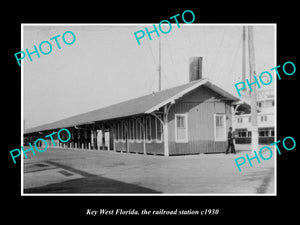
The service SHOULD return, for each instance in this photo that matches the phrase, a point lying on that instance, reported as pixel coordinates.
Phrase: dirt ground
(67, 171)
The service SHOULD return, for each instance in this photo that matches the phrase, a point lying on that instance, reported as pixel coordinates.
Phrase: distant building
(265, 119)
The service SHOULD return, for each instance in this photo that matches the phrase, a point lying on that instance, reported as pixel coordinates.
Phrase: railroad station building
(191, 118)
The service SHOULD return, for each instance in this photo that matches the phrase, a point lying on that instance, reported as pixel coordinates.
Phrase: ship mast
(254, 127)
(159, 65)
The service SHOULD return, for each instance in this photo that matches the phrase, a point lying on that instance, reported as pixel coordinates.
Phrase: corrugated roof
(141, 105)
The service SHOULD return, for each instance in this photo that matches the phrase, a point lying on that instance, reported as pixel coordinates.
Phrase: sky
(105, 65)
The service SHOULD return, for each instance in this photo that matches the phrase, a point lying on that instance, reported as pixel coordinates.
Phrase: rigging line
(205, 32)
(155, 73)
(162, 71)
(219, 57)
(171, 57)
(151, 88)
(224, 67)
(191, 46)
(149, 47)
(217, 54)
(235, 55)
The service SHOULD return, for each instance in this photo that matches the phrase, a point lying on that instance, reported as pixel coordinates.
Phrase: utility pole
(244, 57)
(254, 128)
(159, 65)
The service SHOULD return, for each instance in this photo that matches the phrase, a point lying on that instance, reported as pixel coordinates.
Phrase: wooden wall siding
(120, 146)
(198, 147)
(200, 122)
(151, 148)
(155, 148)
(136, 147)
(201, 94)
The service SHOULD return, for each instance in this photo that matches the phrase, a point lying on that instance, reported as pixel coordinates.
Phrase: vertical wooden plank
(114, 136)
(166, 132)
(143, 127)
(127, 135)
(103, 137)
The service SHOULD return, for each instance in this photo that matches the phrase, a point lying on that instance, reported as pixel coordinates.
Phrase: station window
(181, 129)
(220, 128)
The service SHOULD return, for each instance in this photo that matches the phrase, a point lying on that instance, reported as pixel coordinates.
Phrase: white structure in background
(266, 119)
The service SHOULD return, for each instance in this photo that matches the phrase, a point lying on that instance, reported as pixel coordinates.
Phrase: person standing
(230, 145)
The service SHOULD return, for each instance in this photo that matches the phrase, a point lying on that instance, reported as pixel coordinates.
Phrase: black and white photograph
(130, 109)
(164, 114)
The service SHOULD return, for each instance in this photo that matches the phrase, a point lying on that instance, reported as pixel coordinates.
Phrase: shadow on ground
(90, 183)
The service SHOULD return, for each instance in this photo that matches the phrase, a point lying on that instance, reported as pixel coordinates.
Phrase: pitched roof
(141, 105)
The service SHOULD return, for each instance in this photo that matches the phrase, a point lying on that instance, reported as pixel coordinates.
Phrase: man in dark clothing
(230, 142)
